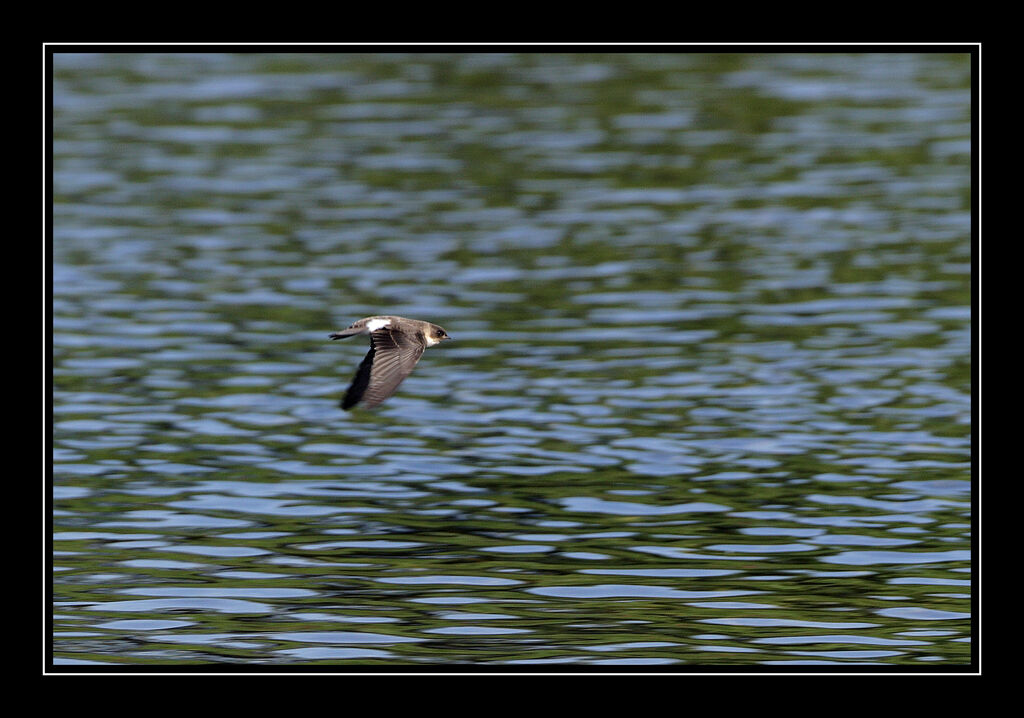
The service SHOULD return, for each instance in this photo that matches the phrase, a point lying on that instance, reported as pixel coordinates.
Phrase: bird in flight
(396, 344)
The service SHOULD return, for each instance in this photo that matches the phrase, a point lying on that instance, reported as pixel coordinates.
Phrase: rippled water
(708, 400)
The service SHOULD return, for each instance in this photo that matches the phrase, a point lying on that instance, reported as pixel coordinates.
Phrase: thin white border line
(620, 43)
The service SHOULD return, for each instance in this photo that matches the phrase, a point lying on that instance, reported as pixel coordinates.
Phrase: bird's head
(435, 335)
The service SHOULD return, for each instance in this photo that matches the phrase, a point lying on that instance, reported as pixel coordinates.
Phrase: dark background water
(708, 400)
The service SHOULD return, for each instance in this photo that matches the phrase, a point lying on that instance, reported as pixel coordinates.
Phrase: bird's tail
(350, 332)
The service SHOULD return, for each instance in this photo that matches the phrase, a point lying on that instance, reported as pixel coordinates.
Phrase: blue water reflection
(708, 402)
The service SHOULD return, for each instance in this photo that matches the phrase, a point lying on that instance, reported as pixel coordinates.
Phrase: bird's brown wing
(391, 358)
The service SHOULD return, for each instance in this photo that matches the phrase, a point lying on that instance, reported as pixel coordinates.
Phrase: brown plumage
(396, 345)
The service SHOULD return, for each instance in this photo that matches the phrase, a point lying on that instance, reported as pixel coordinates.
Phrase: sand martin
(396, 344)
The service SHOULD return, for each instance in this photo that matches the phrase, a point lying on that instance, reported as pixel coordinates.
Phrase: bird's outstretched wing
(391, 358)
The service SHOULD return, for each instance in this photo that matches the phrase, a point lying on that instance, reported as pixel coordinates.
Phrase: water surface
(708, 401)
